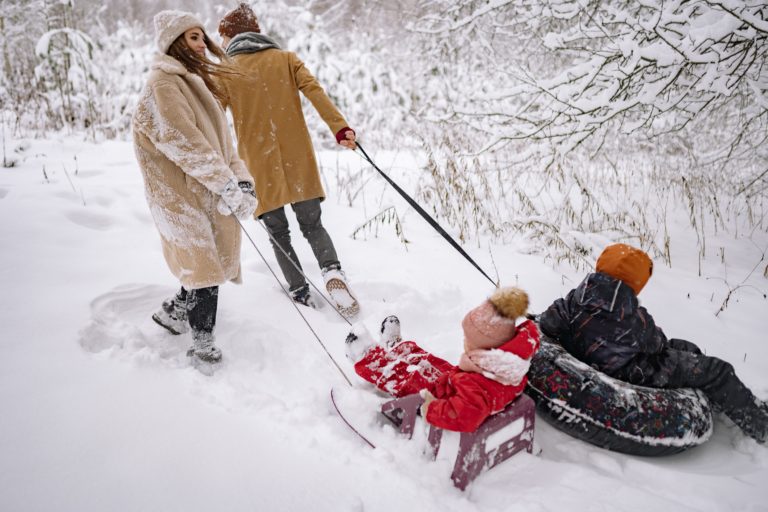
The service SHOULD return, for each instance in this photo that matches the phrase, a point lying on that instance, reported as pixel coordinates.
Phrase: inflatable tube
(612, 414)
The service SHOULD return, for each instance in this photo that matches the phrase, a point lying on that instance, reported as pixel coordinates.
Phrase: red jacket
(463, 399)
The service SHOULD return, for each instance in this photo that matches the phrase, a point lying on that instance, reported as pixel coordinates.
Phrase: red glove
(342, 134)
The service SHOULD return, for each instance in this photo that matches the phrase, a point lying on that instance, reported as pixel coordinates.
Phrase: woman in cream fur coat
(195, 183)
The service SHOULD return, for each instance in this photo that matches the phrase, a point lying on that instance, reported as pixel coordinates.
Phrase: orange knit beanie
(626, 263)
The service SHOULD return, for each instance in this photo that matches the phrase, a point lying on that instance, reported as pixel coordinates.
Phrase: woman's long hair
(211, 72)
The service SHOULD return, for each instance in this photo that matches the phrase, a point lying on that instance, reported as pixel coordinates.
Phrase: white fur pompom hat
(171, 24)
(493, 322)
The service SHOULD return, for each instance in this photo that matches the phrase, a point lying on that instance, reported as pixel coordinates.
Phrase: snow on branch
(610, 68)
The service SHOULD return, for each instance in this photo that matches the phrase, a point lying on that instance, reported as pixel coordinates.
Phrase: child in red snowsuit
(491, 372)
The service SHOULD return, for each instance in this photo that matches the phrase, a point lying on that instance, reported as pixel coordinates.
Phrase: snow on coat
(403, 370)
(272, 134)
(186, 155)
(463, 400)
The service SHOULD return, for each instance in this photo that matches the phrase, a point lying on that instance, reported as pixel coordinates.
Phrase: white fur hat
(171, 24)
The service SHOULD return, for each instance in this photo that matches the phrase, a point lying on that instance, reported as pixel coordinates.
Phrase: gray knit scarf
(250, 42)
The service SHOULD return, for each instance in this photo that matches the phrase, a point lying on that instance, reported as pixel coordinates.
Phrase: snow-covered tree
(573, 104)
(68, 76)
(125, 53)
(19, 32)
(594, 71)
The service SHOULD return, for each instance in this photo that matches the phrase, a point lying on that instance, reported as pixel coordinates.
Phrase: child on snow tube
(601, 323)
(491, 372)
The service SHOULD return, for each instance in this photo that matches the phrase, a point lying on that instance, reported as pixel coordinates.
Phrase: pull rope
(300, 270)
(432, 222)
(287, 293)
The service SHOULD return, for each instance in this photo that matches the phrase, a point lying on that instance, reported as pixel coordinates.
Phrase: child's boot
(390, 331)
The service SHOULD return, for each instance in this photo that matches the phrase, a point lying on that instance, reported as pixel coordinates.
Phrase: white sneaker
(341, 295)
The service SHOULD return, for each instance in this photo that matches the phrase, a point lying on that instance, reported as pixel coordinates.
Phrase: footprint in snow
(121, 320)
(89, 173)
(90, 220)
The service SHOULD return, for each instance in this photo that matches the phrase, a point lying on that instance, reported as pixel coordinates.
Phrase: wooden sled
(473, 455)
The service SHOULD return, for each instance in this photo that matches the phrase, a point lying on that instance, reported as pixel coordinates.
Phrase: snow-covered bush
(580, 105)
(125, 54)
(568, 71)
(68, 77)
(19, 32)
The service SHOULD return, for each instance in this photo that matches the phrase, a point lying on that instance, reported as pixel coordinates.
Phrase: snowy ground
(100, 410)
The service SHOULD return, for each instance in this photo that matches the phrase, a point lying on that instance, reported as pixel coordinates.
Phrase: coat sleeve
(463, 407)
(555, 322)
(525, 342)
(238, 165)
(169, 122)
(311, 89)
(651, 339)
(239, 169)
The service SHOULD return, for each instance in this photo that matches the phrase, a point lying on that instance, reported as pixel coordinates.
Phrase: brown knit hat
(629, 264)
(242, 19)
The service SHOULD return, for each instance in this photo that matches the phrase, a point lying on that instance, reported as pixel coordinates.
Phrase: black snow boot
(753, 420)
(717, 379)
(202, 304)
(173, 314)
(304, 297)
(729, 394)
(204, 347)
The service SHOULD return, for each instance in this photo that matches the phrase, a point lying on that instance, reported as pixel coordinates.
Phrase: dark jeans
(308, 215)
(682, 365)
(202, 304)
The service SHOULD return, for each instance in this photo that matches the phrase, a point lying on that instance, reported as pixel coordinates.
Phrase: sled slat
(473, 457)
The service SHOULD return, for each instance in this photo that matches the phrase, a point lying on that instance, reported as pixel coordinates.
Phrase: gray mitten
(249, 203)
(230, 199)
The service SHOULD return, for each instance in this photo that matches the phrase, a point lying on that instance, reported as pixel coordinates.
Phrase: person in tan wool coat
(274, 141)
(195, 183)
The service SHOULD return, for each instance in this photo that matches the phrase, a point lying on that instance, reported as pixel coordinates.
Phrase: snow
(101, 410)
(504, 367)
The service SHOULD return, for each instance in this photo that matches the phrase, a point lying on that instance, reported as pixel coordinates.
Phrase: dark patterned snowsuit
(601, 323)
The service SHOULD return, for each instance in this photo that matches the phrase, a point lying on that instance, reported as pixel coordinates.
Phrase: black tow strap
(427, 217)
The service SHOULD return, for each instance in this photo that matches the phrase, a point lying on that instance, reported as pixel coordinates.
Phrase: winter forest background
(569, 122)
(535, 131)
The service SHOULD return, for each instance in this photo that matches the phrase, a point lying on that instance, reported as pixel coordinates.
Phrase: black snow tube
(609, 413)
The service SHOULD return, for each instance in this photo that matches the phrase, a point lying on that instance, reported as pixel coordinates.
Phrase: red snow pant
(463, 399)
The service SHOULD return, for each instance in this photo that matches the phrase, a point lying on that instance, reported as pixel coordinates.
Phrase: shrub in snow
(68, 77)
